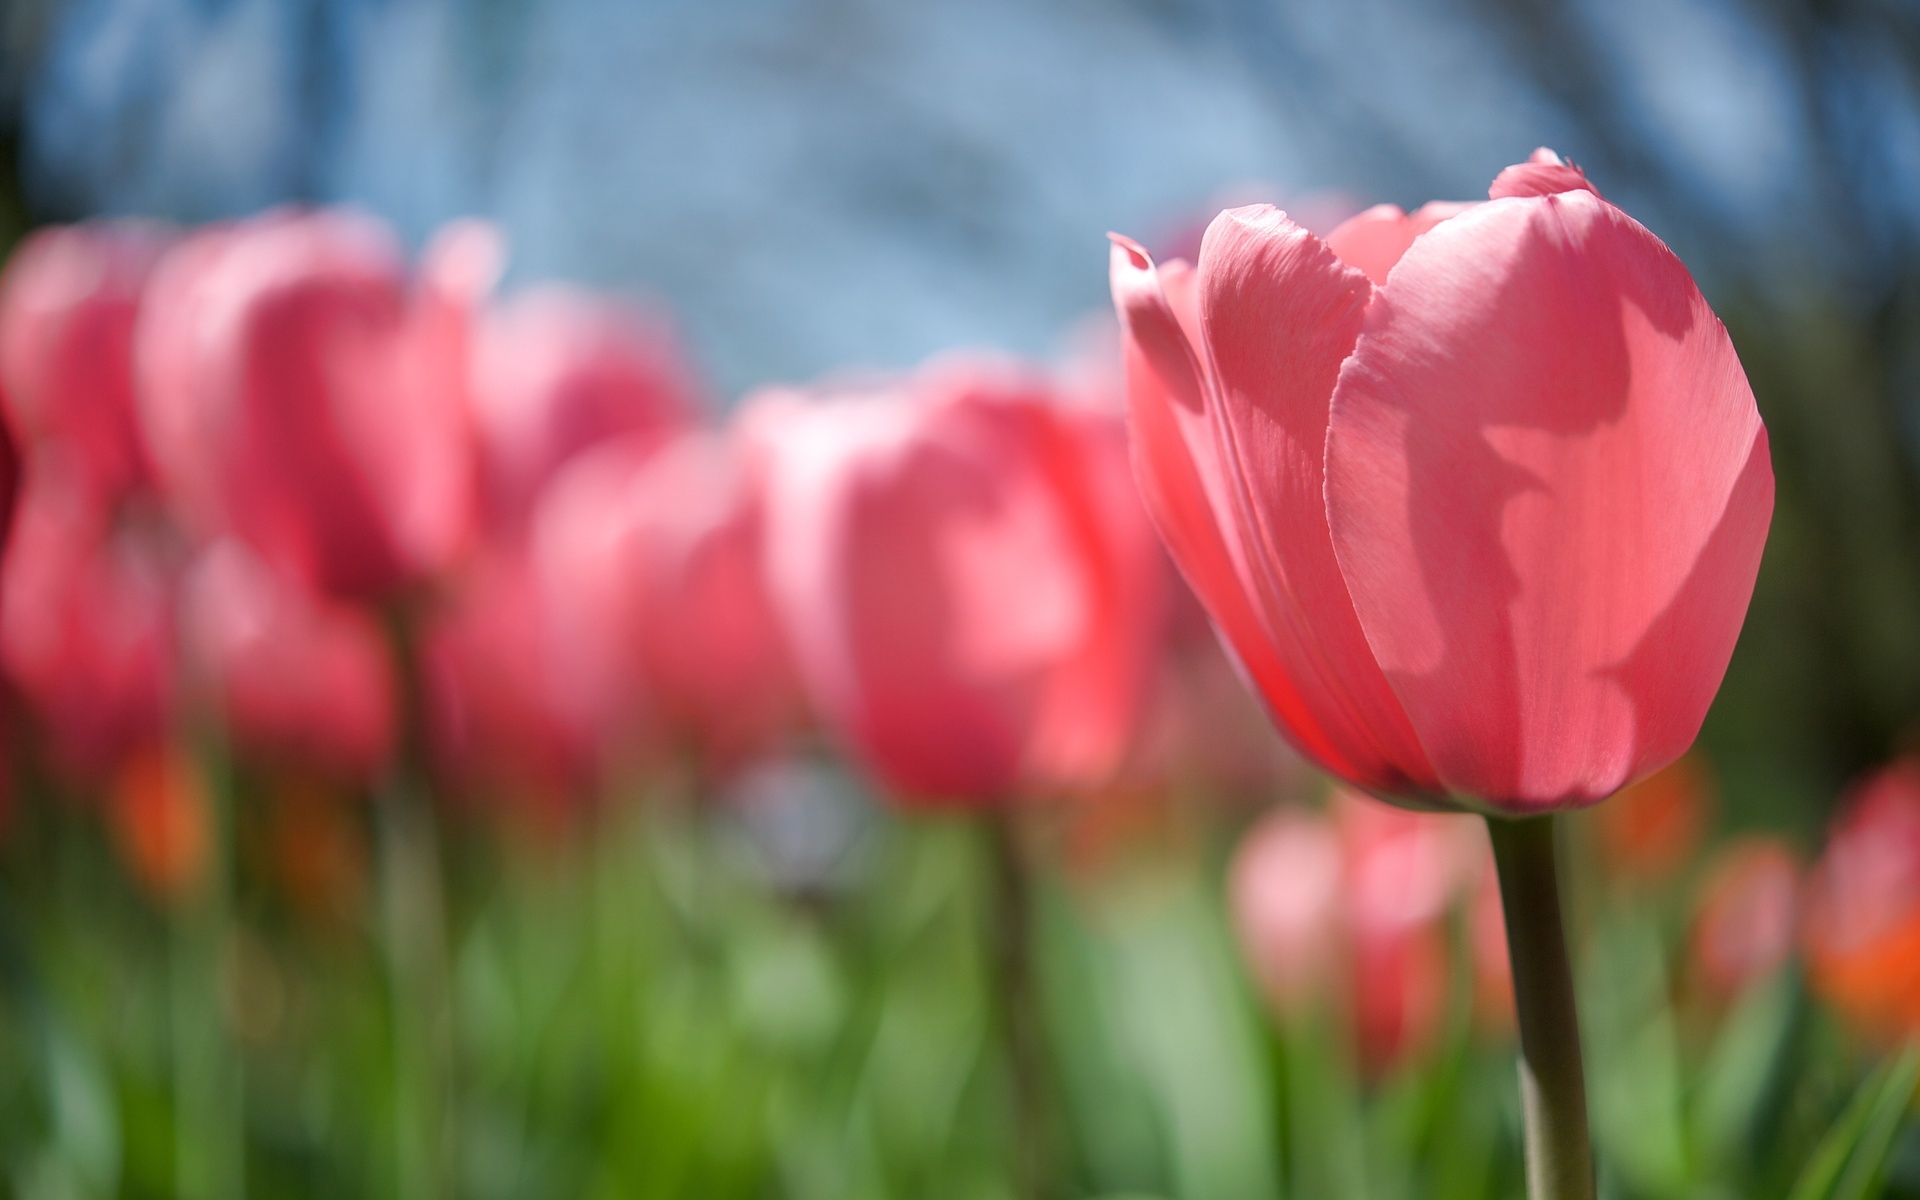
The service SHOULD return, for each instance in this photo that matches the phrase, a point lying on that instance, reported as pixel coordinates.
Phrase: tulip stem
(1021, 1020)
(1553, 1091)
(413, 933)
(210, 1149)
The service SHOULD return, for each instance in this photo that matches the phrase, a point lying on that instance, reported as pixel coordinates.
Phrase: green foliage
(637, 1010)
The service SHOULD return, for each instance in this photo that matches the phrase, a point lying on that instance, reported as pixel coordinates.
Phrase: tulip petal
(1280, 314)
(1182, 482)
(1544, 174)
(1374, 240)
(1549, 488)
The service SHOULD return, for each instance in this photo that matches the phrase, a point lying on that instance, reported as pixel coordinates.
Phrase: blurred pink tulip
(557, 370)
(86, 622)
(1862, 917)
(650, 560)
(1353, 907)
(969, 586)
(1405, 873)
(297, 676)
(498, 713)
(297, 392)
(1285, 887)
(1748, 914)
(1480, 522)
(68, 301)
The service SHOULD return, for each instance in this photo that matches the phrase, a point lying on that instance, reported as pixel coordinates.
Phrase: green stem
(1020, 1016)
(210, 1151)
(413, 933)
(1553, 1090)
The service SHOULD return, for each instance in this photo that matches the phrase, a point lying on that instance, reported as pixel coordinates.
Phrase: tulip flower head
(1354, 906)
(1862, 923)
(1748, 914)
(86, 622)
(1652, 828)
(161, 816)
(297, 676)
(67, 307)
(651, 562)
(288, 397)
(499, 720)
(1476, 495)
(970, 589)
(557, 370)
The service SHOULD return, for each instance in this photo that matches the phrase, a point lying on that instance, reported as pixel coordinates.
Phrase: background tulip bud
(651, 560)
(970, 589)
(67, 307)
(1862, 925)
(557, 370)
(285, 399)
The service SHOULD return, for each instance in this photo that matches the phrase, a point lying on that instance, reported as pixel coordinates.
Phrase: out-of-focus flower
(296, 676)
(86, 622)
(294, 391)
(1353, 908)
(651, 564)
(1482, 529)
(1405, 872)
(557, 370)
(1286, 891)
(499, 717)
(1493, 1000)
(1862, 922)
(1748, 914)
(1652, 828)
(317, 848)
(68, 302)
(969, 586)
(161, 815)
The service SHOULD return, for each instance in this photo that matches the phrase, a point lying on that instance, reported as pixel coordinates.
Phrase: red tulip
(1482, 534)
(1862, 928)
(294, 393)
(557, 370)
(67, 308)
(161, 817)
(968, 584)
(86, 622)
(650, 560)
(1653, 826)
(296, 676)
(498, 712)
(1748, 914)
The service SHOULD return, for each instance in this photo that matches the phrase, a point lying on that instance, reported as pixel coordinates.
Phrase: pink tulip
(67, 307)
(498, 714)
(296, 676)
(1356, 907)
(1862, 922)
(651, 562)
(557, 370)
(1748, 914)
(1480, 517)
(295, 391)
(1285, 888)
(966, 578)
(86, 622)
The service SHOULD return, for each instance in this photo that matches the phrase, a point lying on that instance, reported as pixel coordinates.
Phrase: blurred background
(812, 185)
(788, 995)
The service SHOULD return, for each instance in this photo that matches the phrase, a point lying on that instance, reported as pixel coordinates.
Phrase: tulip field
(1253, 755)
